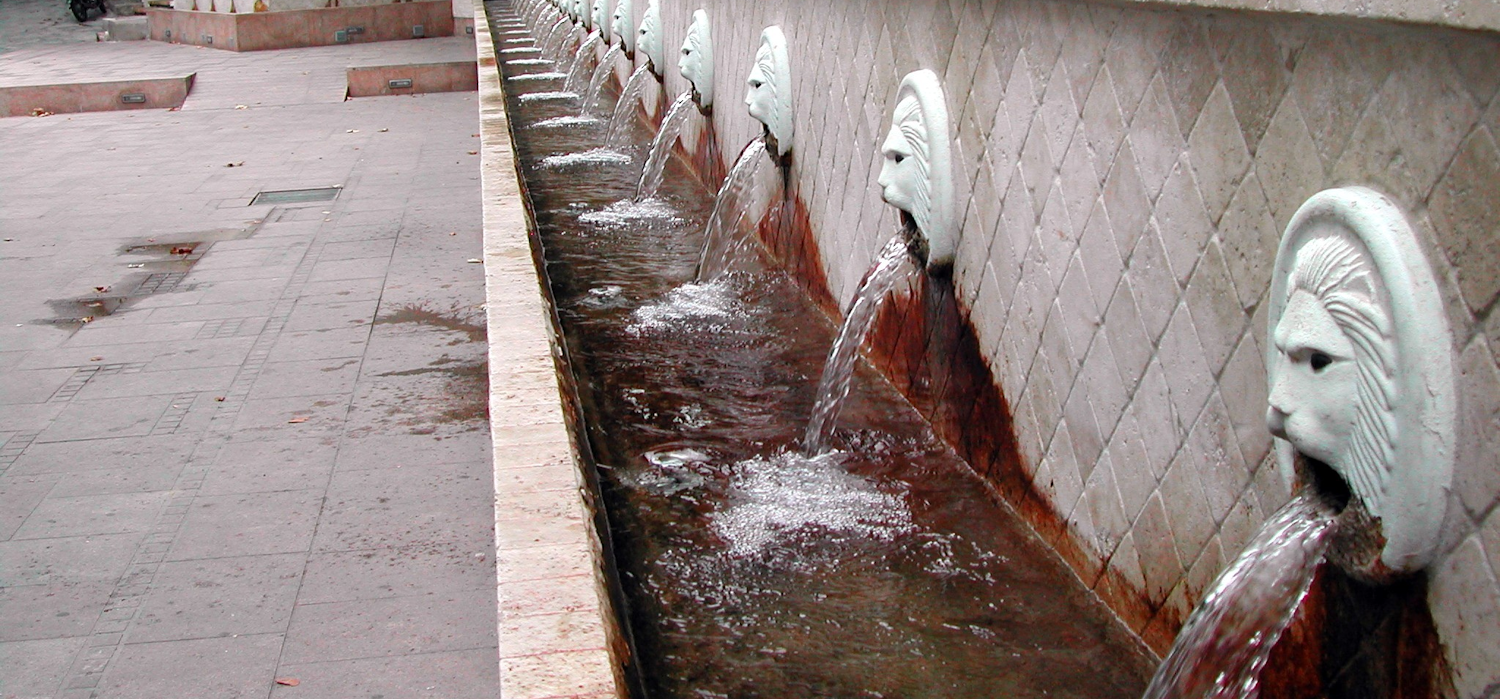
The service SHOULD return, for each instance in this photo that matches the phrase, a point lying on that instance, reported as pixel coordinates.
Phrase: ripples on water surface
(881, 568)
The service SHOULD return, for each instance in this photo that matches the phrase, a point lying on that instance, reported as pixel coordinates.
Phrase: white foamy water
(538, 76)
(528, 62)
(628, 212)
(521, 49)
(555, 122)
(780, 497)
(597, 156)
(540, 96)
(707, 306)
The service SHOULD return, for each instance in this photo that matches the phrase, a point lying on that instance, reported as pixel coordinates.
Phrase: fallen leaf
(453, 233)
(86, 319)
(352, 131)
(241, 106)
(219, 399)
(174, 109)
(40, 112)
(96, 359)
(473, 152)
(101, 289)
(384, 130)
(296, 420)
(288, 681)
(475, 261)
(181, 250)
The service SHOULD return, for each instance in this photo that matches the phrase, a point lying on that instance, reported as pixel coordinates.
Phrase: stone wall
(1126, 173)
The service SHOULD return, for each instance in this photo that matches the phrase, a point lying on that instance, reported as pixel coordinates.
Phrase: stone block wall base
(106, 96)
(376, 81)
(262, 31)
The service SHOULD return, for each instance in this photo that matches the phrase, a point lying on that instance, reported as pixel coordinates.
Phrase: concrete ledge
(375, 81)
(557, 627)
(262, 31)
(126, 28)
(103, 96)
(1460, 14)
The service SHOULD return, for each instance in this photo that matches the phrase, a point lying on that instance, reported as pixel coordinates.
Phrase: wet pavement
(242, 442)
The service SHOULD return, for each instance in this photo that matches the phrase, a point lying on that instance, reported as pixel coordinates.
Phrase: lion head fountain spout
(622, 25)
(697, 62)
(649, 38)
(1360, 377)
(917, 176)
(599, 19)
(769, 96)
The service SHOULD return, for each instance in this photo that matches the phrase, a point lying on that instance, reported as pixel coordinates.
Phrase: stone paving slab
(271, 458)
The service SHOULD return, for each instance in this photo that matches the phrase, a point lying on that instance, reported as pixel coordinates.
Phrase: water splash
(537, 76)
(630, 212)
(547, 43)
(597, 156)
(581, 62)
(1222, 648)
(700, 307)
(529, 62)
(892, 265)
(563, 121)
(731, 207)
(624, 114)
(541, 96)
(601, 73)
(520, 49)
(788, 494)
(661, 146)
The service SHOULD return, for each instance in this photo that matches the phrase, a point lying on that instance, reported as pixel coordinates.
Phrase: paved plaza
(244, 449)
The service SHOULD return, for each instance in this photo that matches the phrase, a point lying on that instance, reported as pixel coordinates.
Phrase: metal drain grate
(160, 282)
(296, 196)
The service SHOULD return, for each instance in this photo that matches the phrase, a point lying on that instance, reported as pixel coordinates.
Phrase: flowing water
(1222, 648)
(602, 72)
(892, 265)
(582, 63)
(879, 568)
(743, 192)
(661, 146)
(549, 45)
(624, 117)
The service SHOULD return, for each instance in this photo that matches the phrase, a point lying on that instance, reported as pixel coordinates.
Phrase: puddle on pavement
(153, 265)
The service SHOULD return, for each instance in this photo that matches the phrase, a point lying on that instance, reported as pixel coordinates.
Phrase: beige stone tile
(1249, 237)
(1218, 153)
(1182, 221)
(1465, 602)
(1476, 478)
(562, 674)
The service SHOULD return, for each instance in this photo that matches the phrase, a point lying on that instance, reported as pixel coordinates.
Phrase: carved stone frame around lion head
(622, 25)
(650, 40)
(696, 63)
(769, 91)
(1349, 260)
(917, 173)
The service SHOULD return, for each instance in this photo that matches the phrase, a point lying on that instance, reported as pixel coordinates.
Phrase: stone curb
(556, 628)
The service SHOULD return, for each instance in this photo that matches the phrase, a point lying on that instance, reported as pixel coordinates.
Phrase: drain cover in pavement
(296, 196)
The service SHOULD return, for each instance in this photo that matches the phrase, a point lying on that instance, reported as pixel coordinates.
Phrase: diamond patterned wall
(1126, 173)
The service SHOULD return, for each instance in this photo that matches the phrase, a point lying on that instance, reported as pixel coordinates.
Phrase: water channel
(879, 567)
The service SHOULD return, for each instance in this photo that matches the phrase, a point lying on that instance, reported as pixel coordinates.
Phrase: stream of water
(602, 72)
(661, 146)
(623, 118)
(1220, 651)
(877, 568)
(893, 265)
(582, 63)
(743, 191)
